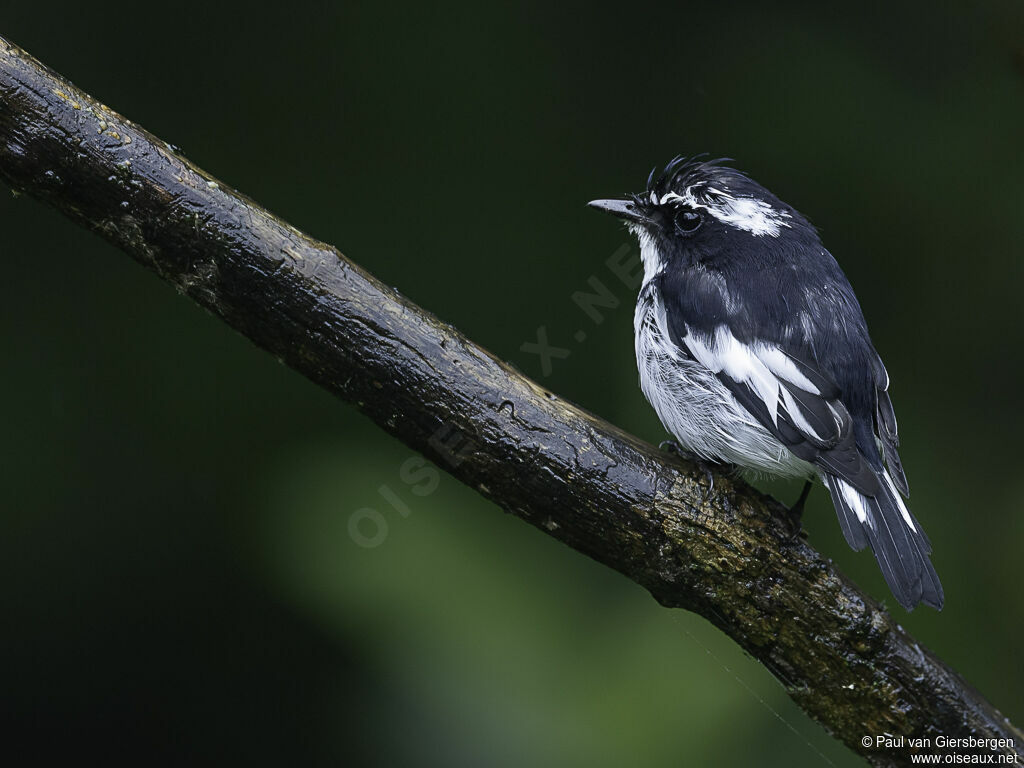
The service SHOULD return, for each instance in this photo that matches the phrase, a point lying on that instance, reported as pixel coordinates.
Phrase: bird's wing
(789, 395)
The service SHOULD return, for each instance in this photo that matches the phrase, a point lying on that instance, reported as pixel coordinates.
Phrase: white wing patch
(723, 352)
(797, 415)
(783, 366)
(748, 213)
(694, 404)
(762, 367)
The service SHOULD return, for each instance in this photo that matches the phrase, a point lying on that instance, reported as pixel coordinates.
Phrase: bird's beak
(623, 209)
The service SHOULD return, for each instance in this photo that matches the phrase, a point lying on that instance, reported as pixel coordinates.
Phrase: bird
(754, 352)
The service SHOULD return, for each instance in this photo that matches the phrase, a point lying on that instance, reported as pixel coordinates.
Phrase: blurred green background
(177, 579)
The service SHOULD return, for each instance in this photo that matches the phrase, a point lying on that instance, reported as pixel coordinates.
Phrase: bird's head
(701, 210)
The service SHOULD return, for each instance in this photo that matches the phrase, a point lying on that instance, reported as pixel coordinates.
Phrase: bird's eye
(688, 221)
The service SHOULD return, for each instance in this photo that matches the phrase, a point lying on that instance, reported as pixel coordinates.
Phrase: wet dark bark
(723, 553)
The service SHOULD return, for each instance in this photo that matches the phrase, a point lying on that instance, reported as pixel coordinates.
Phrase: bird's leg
(671, 446)
(796, 512)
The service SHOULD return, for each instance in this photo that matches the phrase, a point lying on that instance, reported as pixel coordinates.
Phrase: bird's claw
(671, 446)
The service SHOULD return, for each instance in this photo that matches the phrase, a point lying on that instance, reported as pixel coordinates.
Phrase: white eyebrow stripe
(688, 200)
(746, 213)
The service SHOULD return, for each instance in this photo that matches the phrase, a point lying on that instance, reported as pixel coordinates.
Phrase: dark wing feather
(885, 425)
(829, 443)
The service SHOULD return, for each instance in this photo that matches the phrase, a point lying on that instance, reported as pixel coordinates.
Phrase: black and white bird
(754, 351)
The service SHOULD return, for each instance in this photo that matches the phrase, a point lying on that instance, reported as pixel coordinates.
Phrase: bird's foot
(708, 468)
(796, 513)
(671, 446)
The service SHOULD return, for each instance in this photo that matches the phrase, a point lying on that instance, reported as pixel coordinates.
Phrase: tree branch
(722, 553)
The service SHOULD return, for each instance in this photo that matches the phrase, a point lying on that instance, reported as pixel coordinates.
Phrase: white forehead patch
(746, 213)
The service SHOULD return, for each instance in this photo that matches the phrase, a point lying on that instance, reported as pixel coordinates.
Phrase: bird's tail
(900, 545)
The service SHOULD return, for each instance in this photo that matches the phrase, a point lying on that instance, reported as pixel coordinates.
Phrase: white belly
(699, 411)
